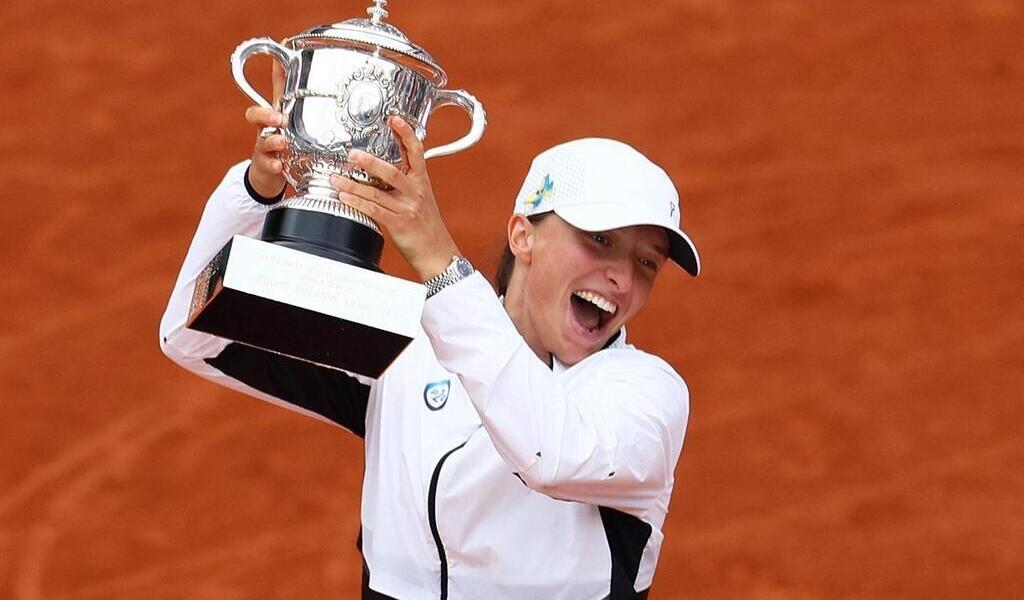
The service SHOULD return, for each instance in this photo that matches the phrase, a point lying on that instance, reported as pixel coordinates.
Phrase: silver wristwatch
(456, 271)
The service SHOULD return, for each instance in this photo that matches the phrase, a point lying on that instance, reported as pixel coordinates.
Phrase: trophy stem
(320, 188)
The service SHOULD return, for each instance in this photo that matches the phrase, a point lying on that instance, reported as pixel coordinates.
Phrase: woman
(519, 447)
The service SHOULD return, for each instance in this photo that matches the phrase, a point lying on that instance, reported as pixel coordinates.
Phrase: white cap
(598, 184)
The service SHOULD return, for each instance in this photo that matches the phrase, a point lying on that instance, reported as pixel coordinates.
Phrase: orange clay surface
(853, 173)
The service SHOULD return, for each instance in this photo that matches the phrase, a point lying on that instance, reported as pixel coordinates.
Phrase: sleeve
(612, 441)
(325, 394)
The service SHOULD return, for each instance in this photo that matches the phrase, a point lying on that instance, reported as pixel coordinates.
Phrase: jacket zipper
(432, 518)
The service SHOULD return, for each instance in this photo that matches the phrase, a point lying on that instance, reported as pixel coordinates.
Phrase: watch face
(463, 268)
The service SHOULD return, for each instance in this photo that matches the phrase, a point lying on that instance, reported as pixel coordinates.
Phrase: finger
(268, 163)
(375, 211)
(271, 144)
(383, 170)
(263, 117)
(412, 147)
(346, 186)
(405, 158)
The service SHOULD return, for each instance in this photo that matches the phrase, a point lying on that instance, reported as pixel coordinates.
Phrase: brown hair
(507, 262)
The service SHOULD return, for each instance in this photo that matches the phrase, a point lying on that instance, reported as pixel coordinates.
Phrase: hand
(409, 211)
(266, 174)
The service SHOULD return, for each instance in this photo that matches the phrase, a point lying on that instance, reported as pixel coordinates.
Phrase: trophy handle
(257, 46)
(471, 105)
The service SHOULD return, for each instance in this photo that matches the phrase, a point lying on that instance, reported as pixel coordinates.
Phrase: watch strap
(458, 269)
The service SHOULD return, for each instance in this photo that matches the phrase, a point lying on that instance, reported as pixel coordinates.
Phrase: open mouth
(591, 310)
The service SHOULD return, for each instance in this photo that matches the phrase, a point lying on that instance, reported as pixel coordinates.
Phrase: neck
(515, 306)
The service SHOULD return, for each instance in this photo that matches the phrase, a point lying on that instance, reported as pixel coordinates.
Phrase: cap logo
(541, 194)
(672, 209)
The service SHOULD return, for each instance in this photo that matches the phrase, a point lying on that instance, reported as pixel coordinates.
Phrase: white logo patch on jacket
(435, 394)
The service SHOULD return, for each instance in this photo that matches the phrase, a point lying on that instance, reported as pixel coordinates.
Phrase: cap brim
(681, 248)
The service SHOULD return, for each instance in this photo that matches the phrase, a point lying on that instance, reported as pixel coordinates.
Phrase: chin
(577, 343)
(572, 353)
(568, 360)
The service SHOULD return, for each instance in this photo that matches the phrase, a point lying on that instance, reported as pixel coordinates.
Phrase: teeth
(599, 301)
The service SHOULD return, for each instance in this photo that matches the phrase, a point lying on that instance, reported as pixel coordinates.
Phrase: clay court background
(853, 173)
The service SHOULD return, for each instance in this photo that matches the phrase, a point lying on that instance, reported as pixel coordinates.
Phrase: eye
(649, 264)
(601, 238)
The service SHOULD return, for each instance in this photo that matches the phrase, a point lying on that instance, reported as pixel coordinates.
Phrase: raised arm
(324, 394)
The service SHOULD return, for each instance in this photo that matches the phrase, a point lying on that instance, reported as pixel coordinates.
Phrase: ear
(521, 237)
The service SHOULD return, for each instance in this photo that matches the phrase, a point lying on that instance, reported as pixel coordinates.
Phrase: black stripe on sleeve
(256, 195)
(327, 392)
(627, 538)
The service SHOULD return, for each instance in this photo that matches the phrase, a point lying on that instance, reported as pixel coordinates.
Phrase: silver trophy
(311, 287)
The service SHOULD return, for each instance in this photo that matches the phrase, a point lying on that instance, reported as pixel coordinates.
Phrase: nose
(619, 273)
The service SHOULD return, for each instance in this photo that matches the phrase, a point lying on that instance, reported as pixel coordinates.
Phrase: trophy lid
(375, 35)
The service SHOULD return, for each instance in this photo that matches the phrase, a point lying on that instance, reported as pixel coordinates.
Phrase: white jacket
(488, 474)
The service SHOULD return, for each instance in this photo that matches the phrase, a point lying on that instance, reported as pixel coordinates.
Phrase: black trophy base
(324, 235)
(292, 303)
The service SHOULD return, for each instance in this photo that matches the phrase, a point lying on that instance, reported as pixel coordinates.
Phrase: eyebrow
(660, 248)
